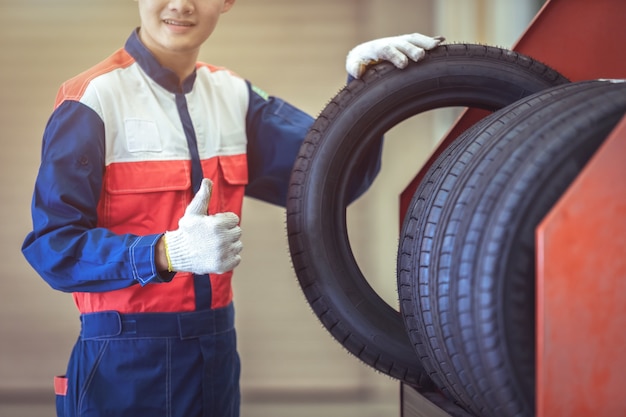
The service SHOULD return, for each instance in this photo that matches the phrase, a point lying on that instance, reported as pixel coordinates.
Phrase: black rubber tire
(355, 120)
(466, 260)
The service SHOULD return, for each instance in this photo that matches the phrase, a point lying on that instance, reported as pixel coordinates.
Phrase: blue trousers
(153, 364)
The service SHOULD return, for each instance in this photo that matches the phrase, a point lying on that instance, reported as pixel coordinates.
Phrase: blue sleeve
(65, 246)
(275, 131)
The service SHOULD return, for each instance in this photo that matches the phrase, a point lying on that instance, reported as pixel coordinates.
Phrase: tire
(353, 122)
(466, 260)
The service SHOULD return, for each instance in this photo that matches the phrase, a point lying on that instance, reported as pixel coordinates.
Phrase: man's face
(179, 26)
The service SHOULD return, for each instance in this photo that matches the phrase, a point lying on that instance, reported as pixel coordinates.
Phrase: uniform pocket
(140, 197)
(142, 136)
(128, 377)
(234, 178)
(60, 391)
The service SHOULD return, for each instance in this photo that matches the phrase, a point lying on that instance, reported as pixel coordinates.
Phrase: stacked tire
(466, 259)
(466, 255)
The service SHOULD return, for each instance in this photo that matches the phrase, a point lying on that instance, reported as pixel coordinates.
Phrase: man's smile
(177, 22)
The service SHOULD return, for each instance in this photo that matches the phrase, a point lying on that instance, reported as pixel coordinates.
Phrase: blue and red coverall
(115, 173)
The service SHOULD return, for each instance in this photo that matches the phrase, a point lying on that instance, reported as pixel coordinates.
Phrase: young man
(145, 163)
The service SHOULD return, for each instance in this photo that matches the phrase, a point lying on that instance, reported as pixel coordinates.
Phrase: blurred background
(294, 49)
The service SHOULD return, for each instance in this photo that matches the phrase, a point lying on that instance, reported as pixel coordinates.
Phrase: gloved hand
(204, 244)
(396, 49)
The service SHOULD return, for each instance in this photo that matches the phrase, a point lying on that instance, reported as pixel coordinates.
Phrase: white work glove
(204, 244)
(396, 49)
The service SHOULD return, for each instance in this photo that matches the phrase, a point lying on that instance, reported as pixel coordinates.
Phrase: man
(145, 163)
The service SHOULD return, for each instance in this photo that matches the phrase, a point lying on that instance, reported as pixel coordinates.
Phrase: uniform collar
(165, 77)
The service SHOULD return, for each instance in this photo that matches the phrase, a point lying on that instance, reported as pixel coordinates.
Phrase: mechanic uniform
(123, 154)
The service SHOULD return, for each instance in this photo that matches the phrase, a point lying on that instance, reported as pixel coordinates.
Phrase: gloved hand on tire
(397, 50)
(204, 244)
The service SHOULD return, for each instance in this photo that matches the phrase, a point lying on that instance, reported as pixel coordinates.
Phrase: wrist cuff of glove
(167, 255)
(176, 252)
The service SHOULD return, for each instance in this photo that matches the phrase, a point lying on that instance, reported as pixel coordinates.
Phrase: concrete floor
(408, 403)
(335, 403)
(249, 410)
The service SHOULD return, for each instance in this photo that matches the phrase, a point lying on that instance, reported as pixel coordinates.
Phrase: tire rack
(581, 341)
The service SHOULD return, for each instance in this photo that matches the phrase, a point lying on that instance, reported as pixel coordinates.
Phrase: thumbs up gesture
(204, 244)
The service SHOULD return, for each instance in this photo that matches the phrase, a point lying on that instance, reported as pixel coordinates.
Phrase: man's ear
(228, 4)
